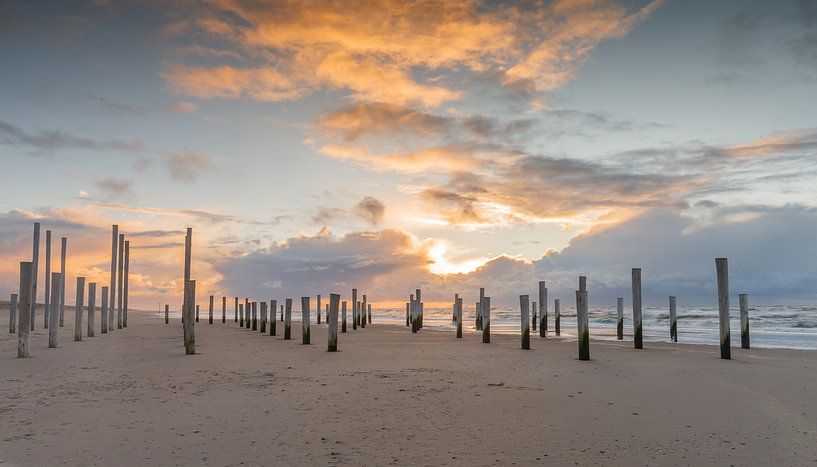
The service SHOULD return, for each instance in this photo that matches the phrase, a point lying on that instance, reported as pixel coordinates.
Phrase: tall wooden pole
(343, 318)
(273, 325)
(78, 309)
(288, 320)
(210, 310)
(523, 306)
(534, 318)
(673, 320)
(125, 285)
(486, 320)
(637, 328)
(743, 299)
(13, 313)
(620, 318)
(363, 313)
(197, 313)
(189, 318)
(187, 315)
(224, 310)
(332, 321)
(235, 310)
(254, 316)
(121, 281)
(480, 310)
(24, 311)
(247, 313)
(557, 317)
(319, 309)
(262, 328)
(582, 325)
(47, 303)
(112, 284)
(167, 314)
(241, 315)
(369, 310)
(722, 271)
(91, 308)
(34, 273)
(543, 309)
(458, 307)
(454, 308)
(54, 309)
(408, 313)
(63, 246)
(355, 318)
(305, 320)
(103, 314)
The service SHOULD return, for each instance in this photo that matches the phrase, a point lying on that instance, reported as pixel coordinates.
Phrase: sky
(318, 146)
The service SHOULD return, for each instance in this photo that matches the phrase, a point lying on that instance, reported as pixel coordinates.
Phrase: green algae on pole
(211, 310)
(343, 318)
(638, 342)
(673, 320)
(557, 317)
(288, 320)
(722, 271)
(189, 320)
(63, 246)
(543, 312)
(13, 313)
(47, 302)
(486, 320)
(620, 318)
(78, 309)
(273, 325)
(112, 284)
(305, 320)
(103, 312)
(332, 322)
(54, 308)
(523, 306)
(91, 308)
(24, 311)
(744, 320)
(581, 324)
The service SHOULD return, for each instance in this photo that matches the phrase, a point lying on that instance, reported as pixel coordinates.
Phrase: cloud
(187, 167)
(185, 107)
(780, 143)
(371, 210)
(46, 142)
(114, 188)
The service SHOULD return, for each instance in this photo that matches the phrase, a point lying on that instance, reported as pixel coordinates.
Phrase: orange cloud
(776, 144)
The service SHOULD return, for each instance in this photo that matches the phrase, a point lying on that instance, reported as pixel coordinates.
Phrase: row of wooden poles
(414, 314)
(247, 314)
(24, 302)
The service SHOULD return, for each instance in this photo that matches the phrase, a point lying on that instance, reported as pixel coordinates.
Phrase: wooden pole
(413, 309)
(543, 312)
(454, 308)
(210, 311)
(743, 299)
(319, 309)
(186, 301)
(332, 321)
(305, 320)
(189, 319)
(13, 313)
(582, 325)
(224, 310)
(480, 311)
(408, 313)
(125, 286)
(722, 271)
(247, 313)
(636, 285)
(486, 320)
(370, 313)
(288, 320)
(235, 310)
(355, 318)
(363, 313)
(533, 316)
(523, 305)
(78, 309)
(583, 283)
(47, 308)
(63, 246)
(121, 281)
(112, 283)
(459, 317)
(54, 309)
(197, 313)
(103, 316)
(254, 316)
(343, 318)
(263, 327)
(167, 314)
(24, 311)
(557, 317)
(673, 320)
(282, 313)
(34, 273)
(273, 325)
(241, 315)
(91, 308)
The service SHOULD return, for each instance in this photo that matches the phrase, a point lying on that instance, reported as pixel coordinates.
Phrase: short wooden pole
(121, 282)
(673, 320)
(326, 309)
(189, 319)
(543, 312)
(210, 316)
(319, 309)
(263, 327)
(288, 320)
(24, 311)
(103, 316)
(241, 315)
(91, 308)
(167, 314)
(273, 325)
(459, 317)
(637, 328)
(235, 310)
(557, 317)
(247, 313)
(454, 308)
(197, 313)
(13, 313)
(34, 274)
(54, 310)
(224, 310)
(78, 309)
(369, 310)
(523, 306)
(620, 318)
(486, 320)
(112, 283)
(743, 299)
(355, 318)
(63, 246)
(332, 321)
(47, 302)
(343, 318)
(533, 316)
(254, 316)
(125, 281)
(305, 320)
(282, 313)
(722, 271)
(582, 325)
(480, 311)
(363, 313)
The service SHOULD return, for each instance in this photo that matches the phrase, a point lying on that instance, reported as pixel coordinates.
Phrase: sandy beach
(392, 398)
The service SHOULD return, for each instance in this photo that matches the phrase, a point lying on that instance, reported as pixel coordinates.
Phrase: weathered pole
(408, 312)
(288, 320)
(247, 313)
(673, 320)
(454, 308)
(479, 309)
(557, 317)
(743, 299)
(273, 325)
(210, 310)
(112, 284)
(103, 313)
(235, 310)
(197, 313)
(581, 323)
(722, 271)
(636, 285)
(332, 321)
(167, 313)
(24, 310)
(54, 309)
(620, 318)
(355, 318)
(543, 312)
(305, 320)
(370, 313)
(78, 309)
(415, 315)
(343, 318)
(125, 286)
(363, 313)
(13, 313)
(188, 252)
(533, 316)
(583, 283)
(319, 309)
(224, 310)
(189, 319)
(241, 315)
(458, 307)
(282, 313)
(523, 306)
(47, 302)
(254, 316)
(486, 320)
(121, 281)
(35, 261)
(63, 246)
(263, 327)
(91, 308)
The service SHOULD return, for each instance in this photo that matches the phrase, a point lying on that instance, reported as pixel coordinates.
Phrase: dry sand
(392, 398)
